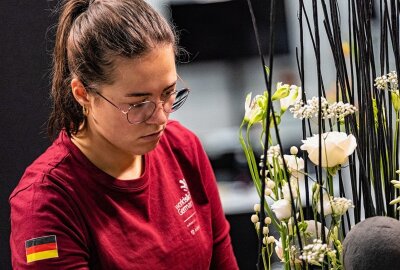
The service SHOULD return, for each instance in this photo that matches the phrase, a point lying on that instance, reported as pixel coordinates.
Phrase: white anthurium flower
(336, 148)
(282, 209)
(255, 108)
(293, 97)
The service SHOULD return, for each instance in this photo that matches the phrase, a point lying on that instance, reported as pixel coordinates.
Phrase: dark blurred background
(24, 103)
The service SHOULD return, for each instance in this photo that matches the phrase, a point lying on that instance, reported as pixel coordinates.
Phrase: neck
(106, 157)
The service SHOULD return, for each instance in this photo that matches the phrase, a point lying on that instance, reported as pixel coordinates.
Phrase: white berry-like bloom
(257, 207)
(270, 239)
(270, 184)
(268, 220)
(294, 150)
(336, 148)
(254, 218)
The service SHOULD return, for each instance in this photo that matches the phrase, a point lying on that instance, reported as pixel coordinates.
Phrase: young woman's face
(148, 78)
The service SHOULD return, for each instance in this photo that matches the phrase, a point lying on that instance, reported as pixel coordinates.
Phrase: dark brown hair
(90, 35)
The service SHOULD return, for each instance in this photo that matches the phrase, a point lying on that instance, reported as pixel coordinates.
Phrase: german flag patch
(41, 248)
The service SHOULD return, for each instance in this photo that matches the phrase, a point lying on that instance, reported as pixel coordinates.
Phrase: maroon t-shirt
(68, 214)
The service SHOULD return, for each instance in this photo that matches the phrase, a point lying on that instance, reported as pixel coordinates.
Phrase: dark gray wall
(24, 104)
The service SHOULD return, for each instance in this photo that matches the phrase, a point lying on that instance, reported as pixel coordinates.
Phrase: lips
(154, 135)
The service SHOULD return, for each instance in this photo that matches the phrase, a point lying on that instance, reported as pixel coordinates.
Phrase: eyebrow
(143, 94)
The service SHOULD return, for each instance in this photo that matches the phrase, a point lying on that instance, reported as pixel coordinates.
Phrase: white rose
(282, 209)
(336, 148)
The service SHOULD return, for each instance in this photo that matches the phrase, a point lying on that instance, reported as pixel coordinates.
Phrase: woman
(121, 187)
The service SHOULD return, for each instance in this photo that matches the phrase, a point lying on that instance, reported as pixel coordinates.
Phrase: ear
(79, 92)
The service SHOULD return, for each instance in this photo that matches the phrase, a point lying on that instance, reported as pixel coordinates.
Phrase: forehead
(153, 68)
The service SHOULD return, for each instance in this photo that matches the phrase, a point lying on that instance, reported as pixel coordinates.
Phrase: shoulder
(178, 136)
(176, 131)
(40, 172)
(181, 144)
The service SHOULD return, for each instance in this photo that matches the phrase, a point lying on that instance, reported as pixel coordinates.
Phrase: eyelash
(164, 94)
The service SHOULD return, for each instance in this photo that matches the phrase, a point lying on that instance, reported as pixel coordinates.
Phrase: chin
(145, 148)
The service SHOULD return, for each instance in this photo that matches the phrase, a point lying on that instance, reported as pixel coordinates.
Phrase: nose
(159, 116)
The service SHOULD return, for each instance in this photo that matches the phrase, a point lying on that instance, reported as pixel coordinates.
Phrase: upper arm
(40, 214)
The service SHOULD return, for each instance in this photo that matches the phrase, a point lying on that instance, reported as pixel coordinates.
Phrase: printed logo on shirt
(185, 208)
(41, 248)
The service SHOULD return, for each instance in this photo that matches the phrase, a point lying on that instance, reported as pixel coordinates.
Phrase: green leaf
(395, 100)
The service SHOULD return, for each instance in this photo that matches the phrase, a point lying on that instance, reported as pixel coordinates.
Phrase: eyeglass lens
(141, 112)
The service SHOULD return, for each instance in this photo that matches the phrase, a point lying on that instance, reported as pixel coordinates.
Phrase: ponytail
(66, 111)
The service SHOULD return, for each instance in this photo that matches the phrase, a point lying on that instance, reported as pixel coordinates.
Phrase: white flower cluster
(274, 155)
(387, 82)
(337, 109)
(314, 253)
(341, 205)
(337, 206)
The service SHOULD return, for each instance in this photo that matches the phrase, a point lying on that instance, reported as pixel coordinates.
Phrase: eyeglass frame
(144, 102)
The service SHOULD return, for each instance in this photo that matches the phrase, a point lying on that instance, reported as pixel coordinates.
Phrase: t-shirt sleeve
(46, 232)
(223, 257)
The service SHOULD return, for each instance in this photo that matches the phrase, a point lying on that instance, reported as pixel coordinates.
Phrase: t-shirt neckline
(104, 178)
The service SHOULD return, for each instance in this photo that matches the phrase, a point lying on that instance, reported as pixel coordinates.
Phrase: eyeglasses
(141, 112)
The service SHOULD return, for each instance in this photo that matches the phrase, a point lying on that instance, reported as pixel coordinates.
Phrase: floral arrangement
(282, 182)
(347, 170)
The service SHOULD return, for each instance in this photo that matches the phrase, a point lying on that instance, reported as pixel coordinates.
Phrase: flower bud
(270, 184)
(294, 150)
(254, 218)
(268, 192)
(270, 239)
(257, 207)
(268, 220)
